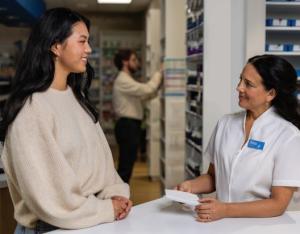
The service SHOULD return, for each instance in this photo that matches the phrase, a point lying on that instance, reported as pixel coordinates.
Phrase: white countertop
(164, 216)
(3, 183)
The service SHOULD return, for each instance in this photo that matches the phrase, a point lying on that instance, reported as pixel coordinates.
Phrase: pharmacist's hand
(210, 209)
(185, 186)
(122, 206)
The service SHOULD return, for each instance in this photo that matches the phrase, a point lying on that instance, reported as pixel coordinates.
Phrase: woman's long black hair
(35, 71)
(280, 75)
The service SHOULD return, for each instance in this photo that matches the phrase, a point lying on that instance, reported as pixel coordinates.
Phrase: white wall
(255, 27)
(175, 28)
(233, 31)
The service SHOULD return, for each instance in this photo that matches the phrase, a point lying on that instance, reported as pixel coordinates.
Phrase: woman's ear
(272, 94)
(55, 49)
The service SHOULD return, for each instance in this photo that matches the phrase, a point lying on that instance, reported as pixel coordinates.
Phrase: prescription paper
(184, 197)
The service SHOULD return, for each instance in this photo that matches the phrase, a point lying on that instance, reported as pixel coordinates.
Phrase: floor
(142, 188)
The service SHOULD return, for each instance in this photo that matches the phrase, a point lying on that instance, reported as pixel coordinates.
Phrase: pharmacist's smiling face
(72, 54)
(252, 93)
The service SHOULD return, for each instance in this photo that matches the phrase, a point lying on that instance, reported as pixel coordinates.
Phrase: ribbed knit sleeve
(114, 184)
(46, 181)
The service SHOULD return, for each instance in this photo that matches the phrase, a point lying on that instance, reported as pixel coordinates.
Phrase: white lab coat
(247, 173)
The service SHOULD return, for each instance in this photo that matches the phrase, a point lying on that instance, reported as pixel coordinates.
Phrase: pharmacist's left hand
(127, 206)
(210, 209)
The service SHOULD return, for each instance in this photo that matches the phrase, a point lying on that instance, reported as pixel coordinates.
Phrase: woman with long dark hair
(59, 167)
(254, 154)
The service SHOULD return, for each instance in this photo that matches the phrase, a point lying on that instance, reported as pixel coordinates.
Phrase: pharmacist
(128, 97)
(255, 154)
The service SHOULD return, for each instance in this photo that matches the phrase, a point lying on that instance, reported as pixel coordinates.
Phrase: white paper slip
(184, 197)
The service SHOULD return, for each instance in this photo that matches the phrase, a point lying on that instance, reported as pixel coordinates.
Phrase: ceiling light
(114, 1)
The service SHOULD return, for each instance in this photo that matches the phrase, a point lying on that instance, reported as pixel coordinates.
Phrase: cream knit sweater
(59, 165)
(128, 94)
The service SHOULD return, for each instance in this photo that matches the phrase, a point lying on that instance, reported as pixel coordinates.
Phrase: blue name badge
(259, 145)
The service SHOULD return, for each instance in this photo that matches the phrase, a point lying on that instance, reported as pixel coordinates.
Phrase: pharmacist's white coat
(246, 173)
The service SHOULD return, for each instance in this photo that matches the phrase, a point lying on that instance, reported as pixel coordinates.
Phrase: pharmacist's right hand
(185, 186)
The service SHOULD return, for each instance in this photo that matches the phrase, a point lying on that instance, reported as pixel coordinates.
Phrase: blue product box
(189, 23)
(288, 47)
(269, 22)
(267, 47)
(291, 22)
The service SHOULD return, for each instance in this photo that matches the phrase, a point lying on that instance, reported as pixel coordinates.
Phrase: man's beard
(132, 69)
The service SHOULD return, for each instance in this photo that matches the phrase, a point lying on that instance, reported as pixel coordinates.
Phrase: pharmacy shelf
(110, 43)
(195, 57)
(194, 86)
(189, 172)
(283, 53)
(197, 147)
(193, 114)
(283, 5)
(284, 35)
(173, 91)
(198, 27)
(283, 29)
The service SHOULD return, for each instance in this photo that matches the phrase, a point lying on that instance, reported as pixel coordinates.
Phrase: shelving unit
(282, 28)
(94, 60)
(110, 43)
(6, 73)
(152, 61)
(283, 32)
(194, 88)
(172, 99)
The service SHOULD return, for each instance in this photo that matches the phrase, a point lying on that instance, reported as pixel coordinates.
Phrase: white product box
(276, 47)
(296, 47)
(280, 22)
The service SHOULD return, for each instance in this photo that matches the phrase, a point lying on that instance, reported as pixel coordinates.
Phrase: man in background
(128, 97)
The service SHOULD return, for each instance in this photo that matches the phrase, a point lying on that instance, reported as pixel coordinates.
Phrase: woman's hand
(185, 186)
(122, 206)
(210, 209)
